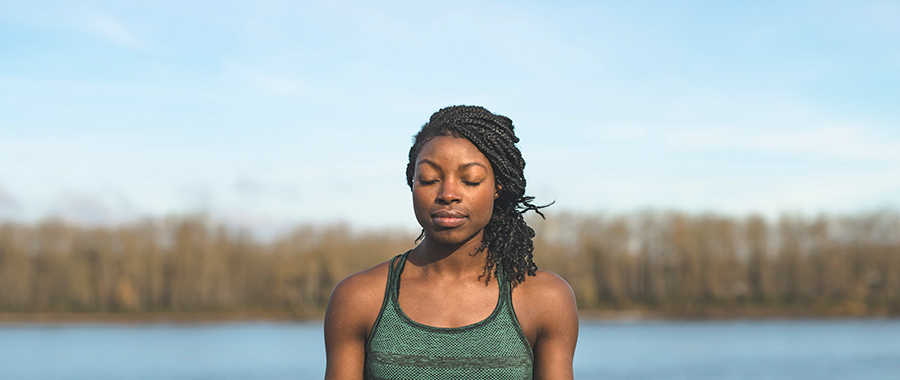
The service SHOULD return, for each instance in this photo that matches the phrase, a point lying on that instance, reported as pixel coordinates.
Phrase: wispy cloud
(10, 207)
(885, 14)
(276, 85)
(836, 141)
(6, 199)
(824, 192)
(252, 187)
(771, 106)
(82, 208)
(272, 82)
(111, 29)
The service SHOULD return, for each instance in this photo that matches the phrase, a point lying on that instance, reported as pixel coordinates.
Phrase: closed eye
(468, 183)
(426, 183)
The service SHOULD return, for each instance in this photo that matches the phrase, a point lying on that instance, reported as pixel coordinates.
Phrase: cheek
(421, 202)
(486, 202)
(417, 198)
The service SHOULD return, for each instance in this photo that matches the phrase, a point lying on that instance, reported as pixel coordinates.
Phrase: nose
(449, 193)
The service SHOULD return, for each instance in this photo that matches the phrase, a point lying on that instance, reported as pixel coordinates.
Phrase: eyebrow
(437, 167)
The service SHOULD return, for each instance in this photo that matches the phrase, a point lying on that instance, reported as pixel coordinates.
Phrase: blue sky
(269, 114)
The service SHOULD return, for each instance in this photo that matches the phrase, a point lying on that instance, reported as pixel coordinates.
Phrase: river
(646, 350)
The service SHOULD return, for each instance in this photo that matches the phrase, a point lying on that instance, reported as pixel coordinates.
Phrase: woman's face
(453, 190)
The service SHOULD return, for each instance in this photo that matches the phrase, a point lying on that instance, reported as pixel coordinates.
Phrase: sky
(268, 114)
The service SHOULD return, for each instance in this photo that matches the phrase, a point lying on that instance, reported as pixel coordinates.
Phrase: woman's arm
(554, 316)
(351, 312)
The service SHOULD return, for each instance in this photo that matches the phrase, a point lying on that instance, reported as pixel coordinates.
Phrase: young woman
(467, 302)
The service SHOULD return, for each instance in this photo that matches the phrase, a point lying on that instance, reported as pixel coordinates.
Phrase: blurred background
(233, 160)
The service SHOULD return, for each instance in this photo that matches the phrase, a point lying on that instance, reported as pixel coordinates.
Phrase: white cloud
(110, 28)
(835, 141)
(276, 85)
(262, 77)
(884, 14)
(10, 207)
(82, 208)
(252, 188)
(824, 192)
(674, 118)
(6, 199)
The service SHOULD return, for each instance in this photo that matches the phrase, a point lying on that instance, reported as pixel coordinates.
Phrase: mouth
(448, 218)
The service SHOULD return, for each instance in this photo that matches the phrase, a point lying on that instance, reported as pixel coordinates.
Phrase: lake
(654, 350)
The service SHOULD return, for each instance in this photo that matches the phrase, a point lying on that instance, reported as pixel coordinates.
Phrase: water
(738, 350)
(735, 350)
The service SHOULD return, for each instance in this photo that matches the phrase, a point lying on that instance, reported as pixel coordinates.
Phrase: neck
(451, 260)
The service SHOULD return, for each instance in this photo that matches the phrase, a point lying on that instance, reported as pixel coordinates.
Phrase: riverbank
(28, 318)
(12, 318)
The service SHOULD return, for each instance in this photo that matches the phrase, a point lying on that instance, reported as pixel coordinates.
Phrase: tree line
(707, 265)
(668, 263)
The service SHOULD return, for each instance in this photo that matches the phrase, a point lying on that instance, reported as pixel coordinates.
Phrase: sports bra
(399, 348)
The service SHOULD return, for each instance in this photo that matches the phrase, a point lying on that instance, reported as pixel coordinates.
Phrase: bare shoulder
(544, 302)
(360, 285)
(352, 310)
(546, 286)
(542, 299)
(356, 300)
(546, 309)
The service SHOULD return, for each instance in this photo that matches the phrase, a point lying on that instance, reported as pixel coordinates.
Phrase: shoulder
(546, 310)
(546, 286)
(356, 300)
(545, 303)
(359, 285)
(352, 310)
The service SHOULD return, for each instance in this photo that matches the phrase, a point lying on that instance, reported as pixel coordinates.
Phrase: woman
(472, 304)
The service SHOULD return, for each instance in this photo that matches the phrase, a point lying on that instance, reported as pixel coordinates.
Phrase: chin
(452, 236)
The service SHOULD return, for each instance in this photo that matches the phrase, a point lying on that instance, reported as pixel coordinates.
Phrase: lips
(448, 218)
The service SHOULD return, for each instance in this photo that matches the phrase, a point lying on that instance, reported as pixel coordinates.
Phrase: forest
(641, 264)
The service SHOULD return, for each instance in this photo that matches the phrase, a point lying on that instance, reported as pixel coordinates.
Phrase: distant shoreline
(124, 318)
(643, 266)
(28, 318)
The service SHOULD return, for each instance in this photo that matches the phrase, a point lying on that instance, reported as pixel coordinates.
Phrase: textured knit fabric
(399, 348)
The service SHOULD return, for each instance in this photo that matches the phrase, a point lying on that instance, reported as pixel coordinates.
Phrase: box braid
(507, 238)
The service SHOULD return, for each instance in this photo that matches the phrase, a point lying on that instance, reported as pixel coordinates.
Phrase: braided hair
(507, 238)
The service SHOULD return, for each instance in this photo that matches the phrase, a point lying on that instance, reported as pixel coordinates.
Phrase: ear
(497, 191)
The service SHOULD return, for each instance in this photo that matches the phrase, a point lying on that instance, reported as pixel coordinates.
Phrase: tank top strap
(396, 267)
(506, 288)
(399, 348)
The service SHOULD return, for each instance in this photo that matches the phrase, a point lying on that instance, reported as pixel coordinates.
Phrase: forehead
(451, 150)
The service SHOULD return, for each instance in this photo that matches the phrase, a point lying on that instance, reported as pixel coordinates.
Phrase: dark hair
(507, 238)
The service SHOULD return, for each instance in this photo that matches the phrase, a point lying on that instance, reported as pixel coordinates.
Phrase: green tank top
(399, 348)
